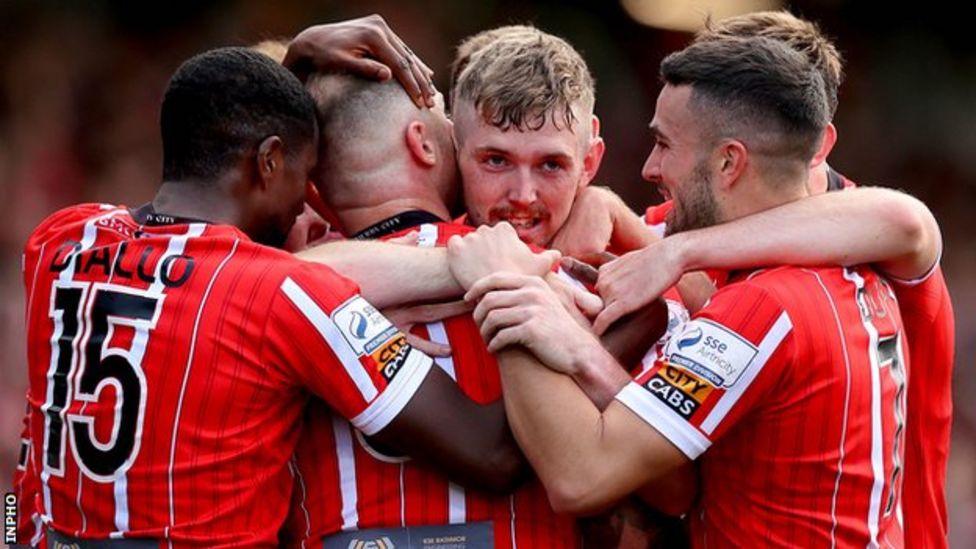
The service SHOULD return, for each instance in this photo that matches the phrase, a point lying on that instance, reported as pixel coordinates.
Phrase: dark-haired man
(171, 350)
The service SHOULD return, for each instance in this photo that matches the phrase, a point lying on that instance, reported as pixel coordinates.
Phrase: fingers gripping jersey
(791, 386)
(169, 367)
(346, 483)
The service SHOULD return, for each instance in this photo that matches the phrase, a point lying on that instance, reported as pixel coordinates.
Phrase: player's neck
(818, 181)
(356, 219)
(196, 201)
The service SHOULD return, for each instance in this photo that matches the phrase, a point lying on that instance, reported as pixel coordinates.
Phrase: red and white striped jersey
(930, 328)
(169, 368)
(790, 385)
(344, 483)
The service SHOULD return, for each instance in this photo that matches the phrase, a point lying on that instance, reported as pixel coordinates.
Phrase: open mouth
(528, 227)
(664, 192)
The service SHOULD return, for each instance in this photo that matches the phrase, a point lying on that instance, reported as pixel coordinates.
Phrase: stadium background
(80, 88)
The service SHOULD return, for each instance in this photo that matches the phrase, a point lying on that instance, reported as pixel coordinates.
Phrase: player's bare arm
(515, 310)
(469, 443)
(892, 230)
(586, 459)
(389, 274)
(365, 46)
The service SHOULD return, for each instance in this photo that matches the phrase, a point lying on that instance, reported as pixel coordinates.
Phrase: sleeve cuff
(391, 402)
(674, 428)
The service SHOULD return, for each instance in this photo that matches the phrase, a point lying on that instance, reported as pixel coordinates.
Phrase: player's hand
(582, 305)
(365, 46)
(515, 309)
(600, 219)
(405, 317)
(634, 280)
(309, 229)
(589, 227)
(494, 249)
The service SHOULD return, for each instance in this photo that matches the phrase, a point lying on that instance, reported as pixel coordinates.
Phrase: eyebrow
(656, 130)
(490, 149)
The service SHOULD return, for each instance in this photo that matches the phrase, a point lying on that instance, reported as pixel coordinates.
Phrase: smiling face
(678, 163)
(527, 178)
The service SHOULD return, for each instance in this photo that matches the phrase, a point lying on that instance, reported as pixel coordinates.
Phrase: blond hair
(475, 42)
(799, 34)
(520, 77)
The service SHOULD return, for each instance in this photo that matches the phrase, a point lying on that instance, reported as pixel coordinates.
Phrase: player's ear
(826, 145)
(594, 152)
(269, 161)
(732, 159)
(420, 143)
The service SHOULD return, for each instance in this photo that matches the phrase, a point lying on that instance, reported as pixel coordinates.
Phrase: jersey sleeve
(327, 337)
(716, 369)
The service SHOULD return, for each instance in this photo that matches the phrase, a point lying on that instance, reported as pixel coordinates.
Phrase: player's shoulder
(315, 280)
(775, 287)
(68, 219)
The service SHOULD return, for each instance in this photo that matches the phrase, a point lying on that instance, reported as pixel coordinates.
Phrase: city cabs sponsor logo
(391, 356)
(680, 389)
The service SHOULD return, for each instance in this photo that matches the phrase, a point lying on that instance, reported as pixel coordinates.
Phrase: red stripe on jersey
(390, 491)
(168, 373)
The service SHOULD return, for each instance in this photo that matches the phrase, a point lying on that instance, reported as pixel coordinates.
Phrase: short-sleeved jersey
(169, 368)
(345, 483)
(930, 328)
(790, 385)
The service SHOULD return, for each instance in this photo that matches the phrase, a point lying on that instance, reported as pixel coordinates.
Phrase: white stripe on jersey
(331, 334)
(89, 234)
(438, 334)
(511, 508)
(770, 342)
(186, 378)
(347, 473)
(457, 512)
(877, 442)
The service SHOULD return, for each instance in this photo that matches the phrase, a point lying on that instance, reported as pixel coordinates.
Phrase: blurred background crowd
(80, 86)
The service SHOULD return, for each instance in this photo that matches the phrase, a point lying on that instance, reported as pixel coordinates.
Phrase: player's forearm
(550, 417)
(599, 375)
(389, 274)
(868, 225)
(587, 460)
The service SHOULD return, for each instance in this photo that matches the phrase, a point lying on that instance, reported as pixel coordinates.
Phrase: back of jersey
(161, 402)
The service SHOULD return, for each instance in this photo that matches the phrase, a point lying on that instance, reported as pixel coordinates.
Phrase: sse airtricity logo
(689, 338)
(358, 325)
